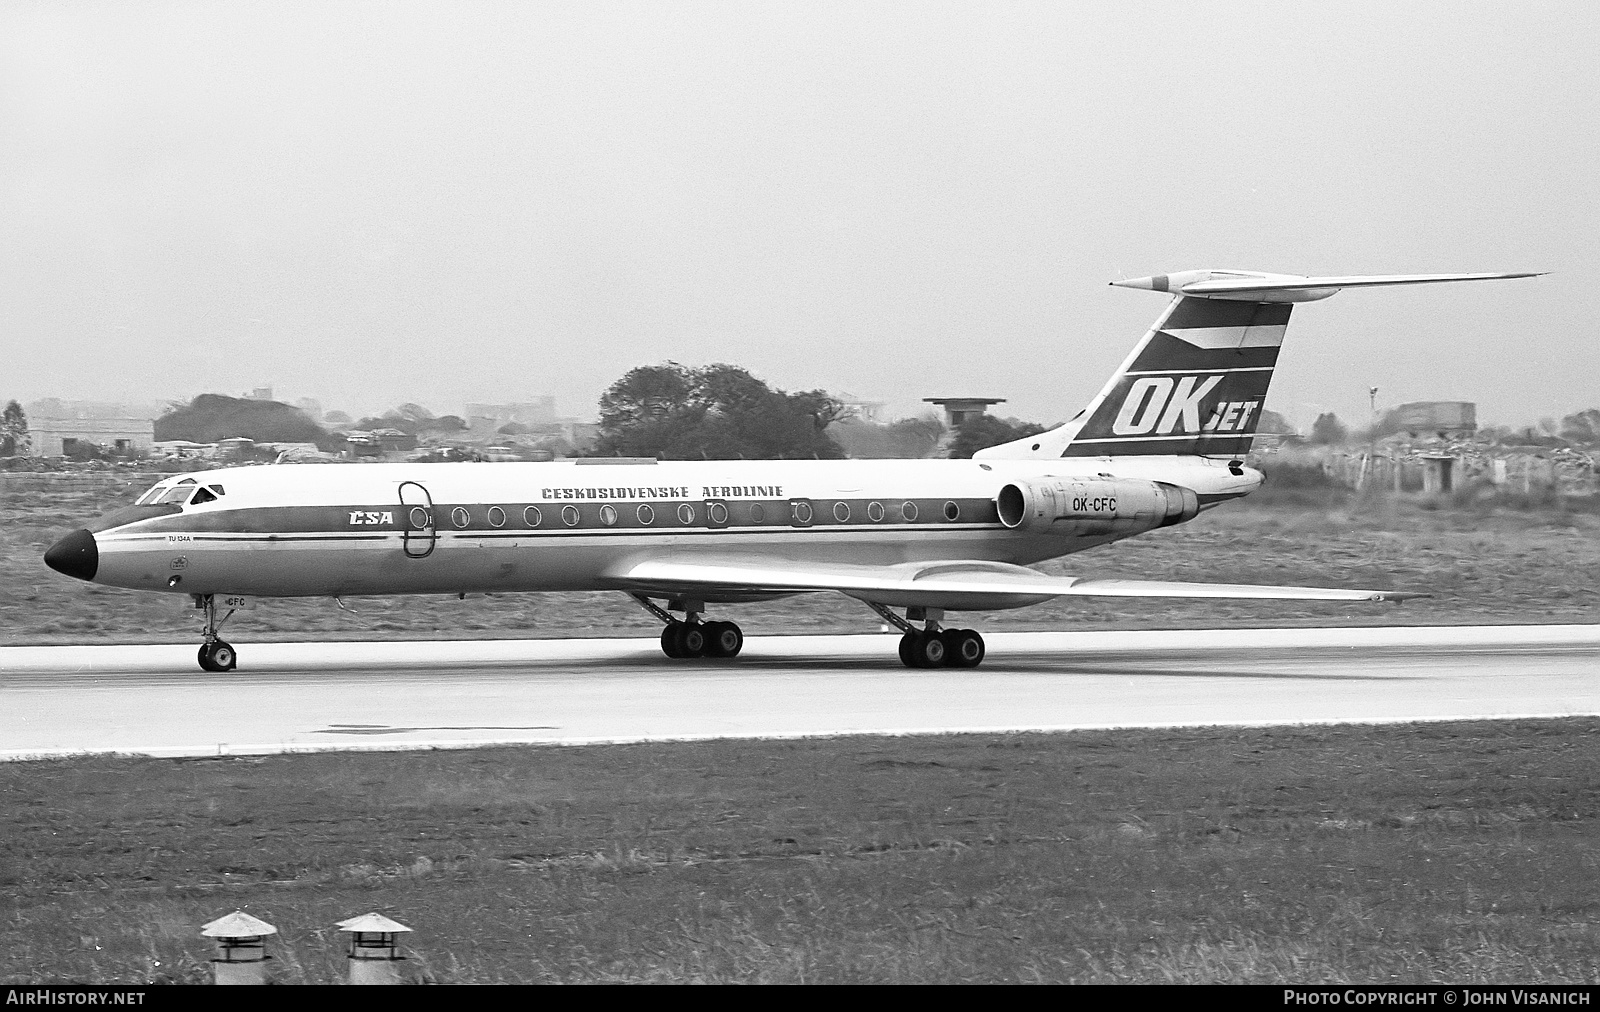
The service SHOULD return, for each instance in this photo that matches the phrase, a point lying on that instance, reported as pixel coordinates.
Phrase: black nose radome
(75, 555)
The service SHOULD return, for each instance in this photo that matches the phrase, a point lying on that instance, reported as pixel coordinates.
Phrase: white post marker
(241, 948)
(374, 949)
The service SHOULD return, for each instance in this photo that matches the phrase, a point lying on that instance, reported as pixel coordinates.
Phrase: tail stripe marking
(1164, 372)
(1221, 338)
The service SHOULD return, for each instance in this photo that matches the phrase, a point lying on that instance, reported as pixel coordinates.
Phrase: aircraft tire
(669, 640)
(928, 651)
(964, 648)
(906, 643)
(690, 639)
(218, 656)
(723, 639)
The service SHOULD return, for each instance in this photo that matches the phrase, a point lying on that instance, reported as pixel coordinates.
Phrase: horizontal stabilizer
(1249, 286)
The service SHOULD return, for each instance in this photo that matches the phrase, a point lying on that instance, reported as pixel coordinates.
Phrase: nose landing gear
(215, 653)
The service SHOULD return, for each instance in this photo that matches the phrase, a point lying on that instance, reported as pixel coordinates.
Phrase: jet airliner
(1162, 442)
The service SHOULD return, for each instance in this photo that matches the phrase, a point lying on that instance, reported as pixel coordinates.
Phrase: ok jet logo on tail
(1161, 406)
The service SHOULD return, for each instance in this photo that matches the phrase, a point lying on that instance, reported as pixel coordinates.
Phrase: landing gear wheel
(723, 639)
(218, 656)
(669, 640)
(690, 639)
(907, 643)
(926, 650)
(963, 648)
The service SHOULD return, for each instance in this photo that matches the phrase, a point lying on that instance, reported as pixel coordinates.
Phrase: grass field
(1462, 852)
(1483, 566)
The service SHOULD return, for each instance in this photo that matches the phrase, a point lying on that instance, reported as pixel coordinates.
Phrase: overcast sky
(384, 202)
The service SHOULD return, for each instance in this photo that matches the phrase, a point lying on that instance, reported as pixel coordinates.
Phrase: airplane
(1162, 442)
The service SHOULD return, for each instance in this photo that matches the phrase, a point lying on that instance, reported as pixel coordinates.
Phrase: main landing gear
(931, 646)
(691, 637)
(215, 653)
(928, 647)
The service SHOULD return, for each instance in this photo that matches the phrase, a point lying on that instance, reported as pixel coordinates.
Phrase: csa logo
(368, 517)
(1163, 405)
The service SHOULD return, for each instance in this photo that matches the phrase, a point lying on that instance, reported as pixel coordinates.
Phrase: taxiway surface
(153, 700)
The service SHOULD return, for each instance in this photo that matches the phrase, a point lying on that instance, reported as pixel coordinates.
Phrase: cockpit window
(178, 494)
(204, 495)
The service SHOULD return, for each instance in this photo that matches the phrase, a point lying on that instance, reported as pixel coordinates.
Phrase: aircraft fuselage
(347, 529)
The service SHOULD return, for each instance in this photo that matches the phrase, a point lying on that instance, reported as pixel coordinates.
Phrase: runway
(154, 700)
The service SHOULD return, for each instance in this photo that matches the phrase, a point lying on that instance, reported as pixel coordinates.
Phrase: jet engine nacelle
(1078, 507)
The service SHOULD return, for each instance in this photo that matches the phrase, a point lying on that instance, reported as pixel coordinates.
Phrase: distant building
(54, 407)
(539, 411)
(259, 394)
(394, 440)
(866, 411)
(1444, 419)
(235, 449)
(581, 435)
(1272, 431)
(962, 409)
(55, 437)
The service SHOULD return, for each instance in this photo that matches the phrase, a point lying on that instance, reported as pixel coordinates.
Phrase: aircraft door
(418, 533)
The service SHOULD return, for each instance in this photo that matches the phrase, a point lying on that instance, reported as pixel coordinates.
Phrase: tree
(212, 417)
(1328, 430)
(411, 419)
(1582, 428)
(720, 412)
(445, 423)
(1272, 422)
(13, 430)
(975, 434)
(907, 438)
(414, 413)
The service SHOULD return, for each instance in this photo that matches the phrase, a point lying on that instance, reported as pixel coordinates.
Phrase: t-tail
(1197, 381)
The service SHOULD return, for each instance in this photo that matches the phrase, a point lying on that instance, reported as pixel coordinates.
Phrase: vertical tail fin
(1197, 381)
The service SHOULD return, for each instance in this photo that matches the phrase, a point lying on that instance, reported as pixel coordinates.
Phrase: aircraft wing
(961, 585)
